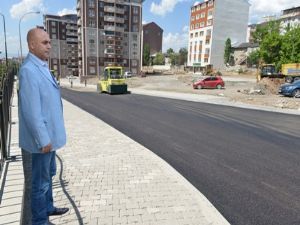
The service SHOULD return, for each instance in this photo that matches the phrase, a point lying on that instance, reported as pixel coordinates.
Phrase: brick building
(64, 42)
(152, 36)
(109, 34)
(211, 23)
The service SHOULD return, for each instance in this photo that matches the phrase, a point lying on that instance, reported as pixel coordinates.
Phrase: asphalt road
(246, 162)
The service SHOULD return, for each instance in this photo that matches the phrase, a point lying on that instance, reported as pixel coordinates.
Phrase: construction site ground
(238, 88)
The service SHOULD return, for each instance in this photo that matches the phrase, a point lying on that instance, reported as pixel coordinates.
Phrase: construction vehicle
(269, 70)
(291, 71)
(112, 81)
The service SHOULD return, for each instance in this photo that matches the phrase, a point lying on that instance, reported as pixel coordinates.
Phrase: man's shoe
(59, 211)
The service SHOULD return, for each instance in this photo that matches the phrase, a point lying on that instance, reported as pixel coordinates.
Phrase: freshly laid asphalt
(104, 177)
(107, 178)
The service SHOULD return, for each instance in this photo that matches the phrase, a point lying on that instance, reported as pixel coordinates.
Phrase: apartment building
(109, 34)
(152, 36)
(211, 23)
(64, 42)
(289, 18)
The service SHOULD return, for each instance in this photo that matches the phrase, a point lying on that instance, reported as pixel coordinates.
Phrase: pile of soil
(270, 85)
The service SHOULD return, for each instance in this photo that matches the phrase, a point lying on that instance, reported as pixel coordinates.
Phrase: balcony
(120, 11)
(120, 29)
(109, 18)
(72, 40)
(72, 26)
(119, 20)
(109, 9)
(109, 27)
(71, 34)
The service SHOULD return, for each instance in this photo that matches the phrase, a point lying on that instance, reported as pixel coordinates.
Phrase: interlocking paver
(108, 179)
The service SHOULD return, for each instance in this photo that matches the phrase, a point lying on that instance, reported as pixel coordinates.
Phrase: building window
(201, 33)
(135, 28)
(135, 19)
(53, 23)
(207, 51)
(92, 69)
(92, 23)
(193, 18)
(91, 13)
(207, 41)
(202, 15)
(197, 16)
(135, 10)
(210, 3)
(91, 3)
(191, 35)
(203, 6)
(134, 63)
(192, 27)
(196, 34)
(209, 22)
(134, 37)
(210, 12)
(197, 25)
(202, 24)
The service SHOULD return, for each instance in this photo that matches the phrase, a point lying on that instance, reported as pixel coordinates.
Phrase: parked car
(292, 89)
(209, 82)
(127, 74)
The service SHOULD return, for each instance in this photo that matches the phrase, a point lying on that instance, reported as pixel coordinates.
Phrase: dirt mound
(270, 85)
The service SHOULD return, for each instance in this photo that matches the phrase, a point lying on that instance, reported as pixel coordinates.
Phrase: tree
(170, 51)
(290, 48)
(159, 59)
(263, 30)
(253, 58)
(227, 51)
(146, 55)
(182, 58)
(174, 58)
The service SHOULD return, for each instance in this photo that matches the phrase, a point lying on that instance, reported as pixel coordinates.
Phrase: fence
(6, 91)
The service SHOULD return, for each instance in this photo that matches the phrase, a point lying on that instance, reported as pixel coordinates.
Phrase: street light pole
(5, 40)
(36, 12)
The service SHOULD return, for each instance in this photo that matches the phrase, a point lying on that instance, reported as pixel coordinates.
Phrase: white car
(127, 74)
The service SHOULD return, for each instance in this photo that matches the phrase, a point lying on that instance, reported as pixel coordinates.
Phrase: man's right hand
(47, 148)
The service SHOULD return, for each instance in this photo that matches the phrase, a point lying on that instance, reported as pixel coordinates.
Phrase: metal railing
(6, 91)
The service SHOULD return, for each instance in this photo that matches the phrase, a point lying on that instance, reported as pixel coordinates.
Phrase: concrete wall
(230, 21)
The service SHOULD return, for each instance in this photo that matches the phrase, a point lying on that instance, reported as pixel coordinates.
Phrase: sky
(171, 15)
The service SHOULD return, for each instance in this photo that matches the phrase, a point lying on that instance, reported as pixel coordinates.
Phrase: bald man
(41, 125)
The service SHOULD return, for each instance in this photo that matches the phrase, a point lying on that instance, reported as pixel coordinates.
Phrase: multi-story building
(152, 36)
(64, 42)
(289, 18)
(109, 34)
(212, 22)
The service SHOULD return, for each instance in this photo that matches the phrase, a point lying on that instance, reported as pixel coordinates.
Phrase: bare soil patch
(239, 88)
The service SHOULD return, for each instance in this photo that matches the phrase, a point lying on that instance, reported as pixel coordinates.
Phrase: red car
(209, 82)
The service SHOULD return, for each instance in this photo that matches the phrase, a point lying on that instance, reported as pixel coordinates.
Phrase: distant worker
(42, 129)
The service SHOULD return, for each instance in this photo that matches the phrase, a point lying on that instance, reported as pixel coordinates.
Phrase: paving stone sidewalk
(104, 177)
(107, 178)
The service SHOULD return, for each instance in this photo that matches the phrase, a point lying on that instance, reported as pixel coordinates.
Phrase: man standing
(41, 124)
